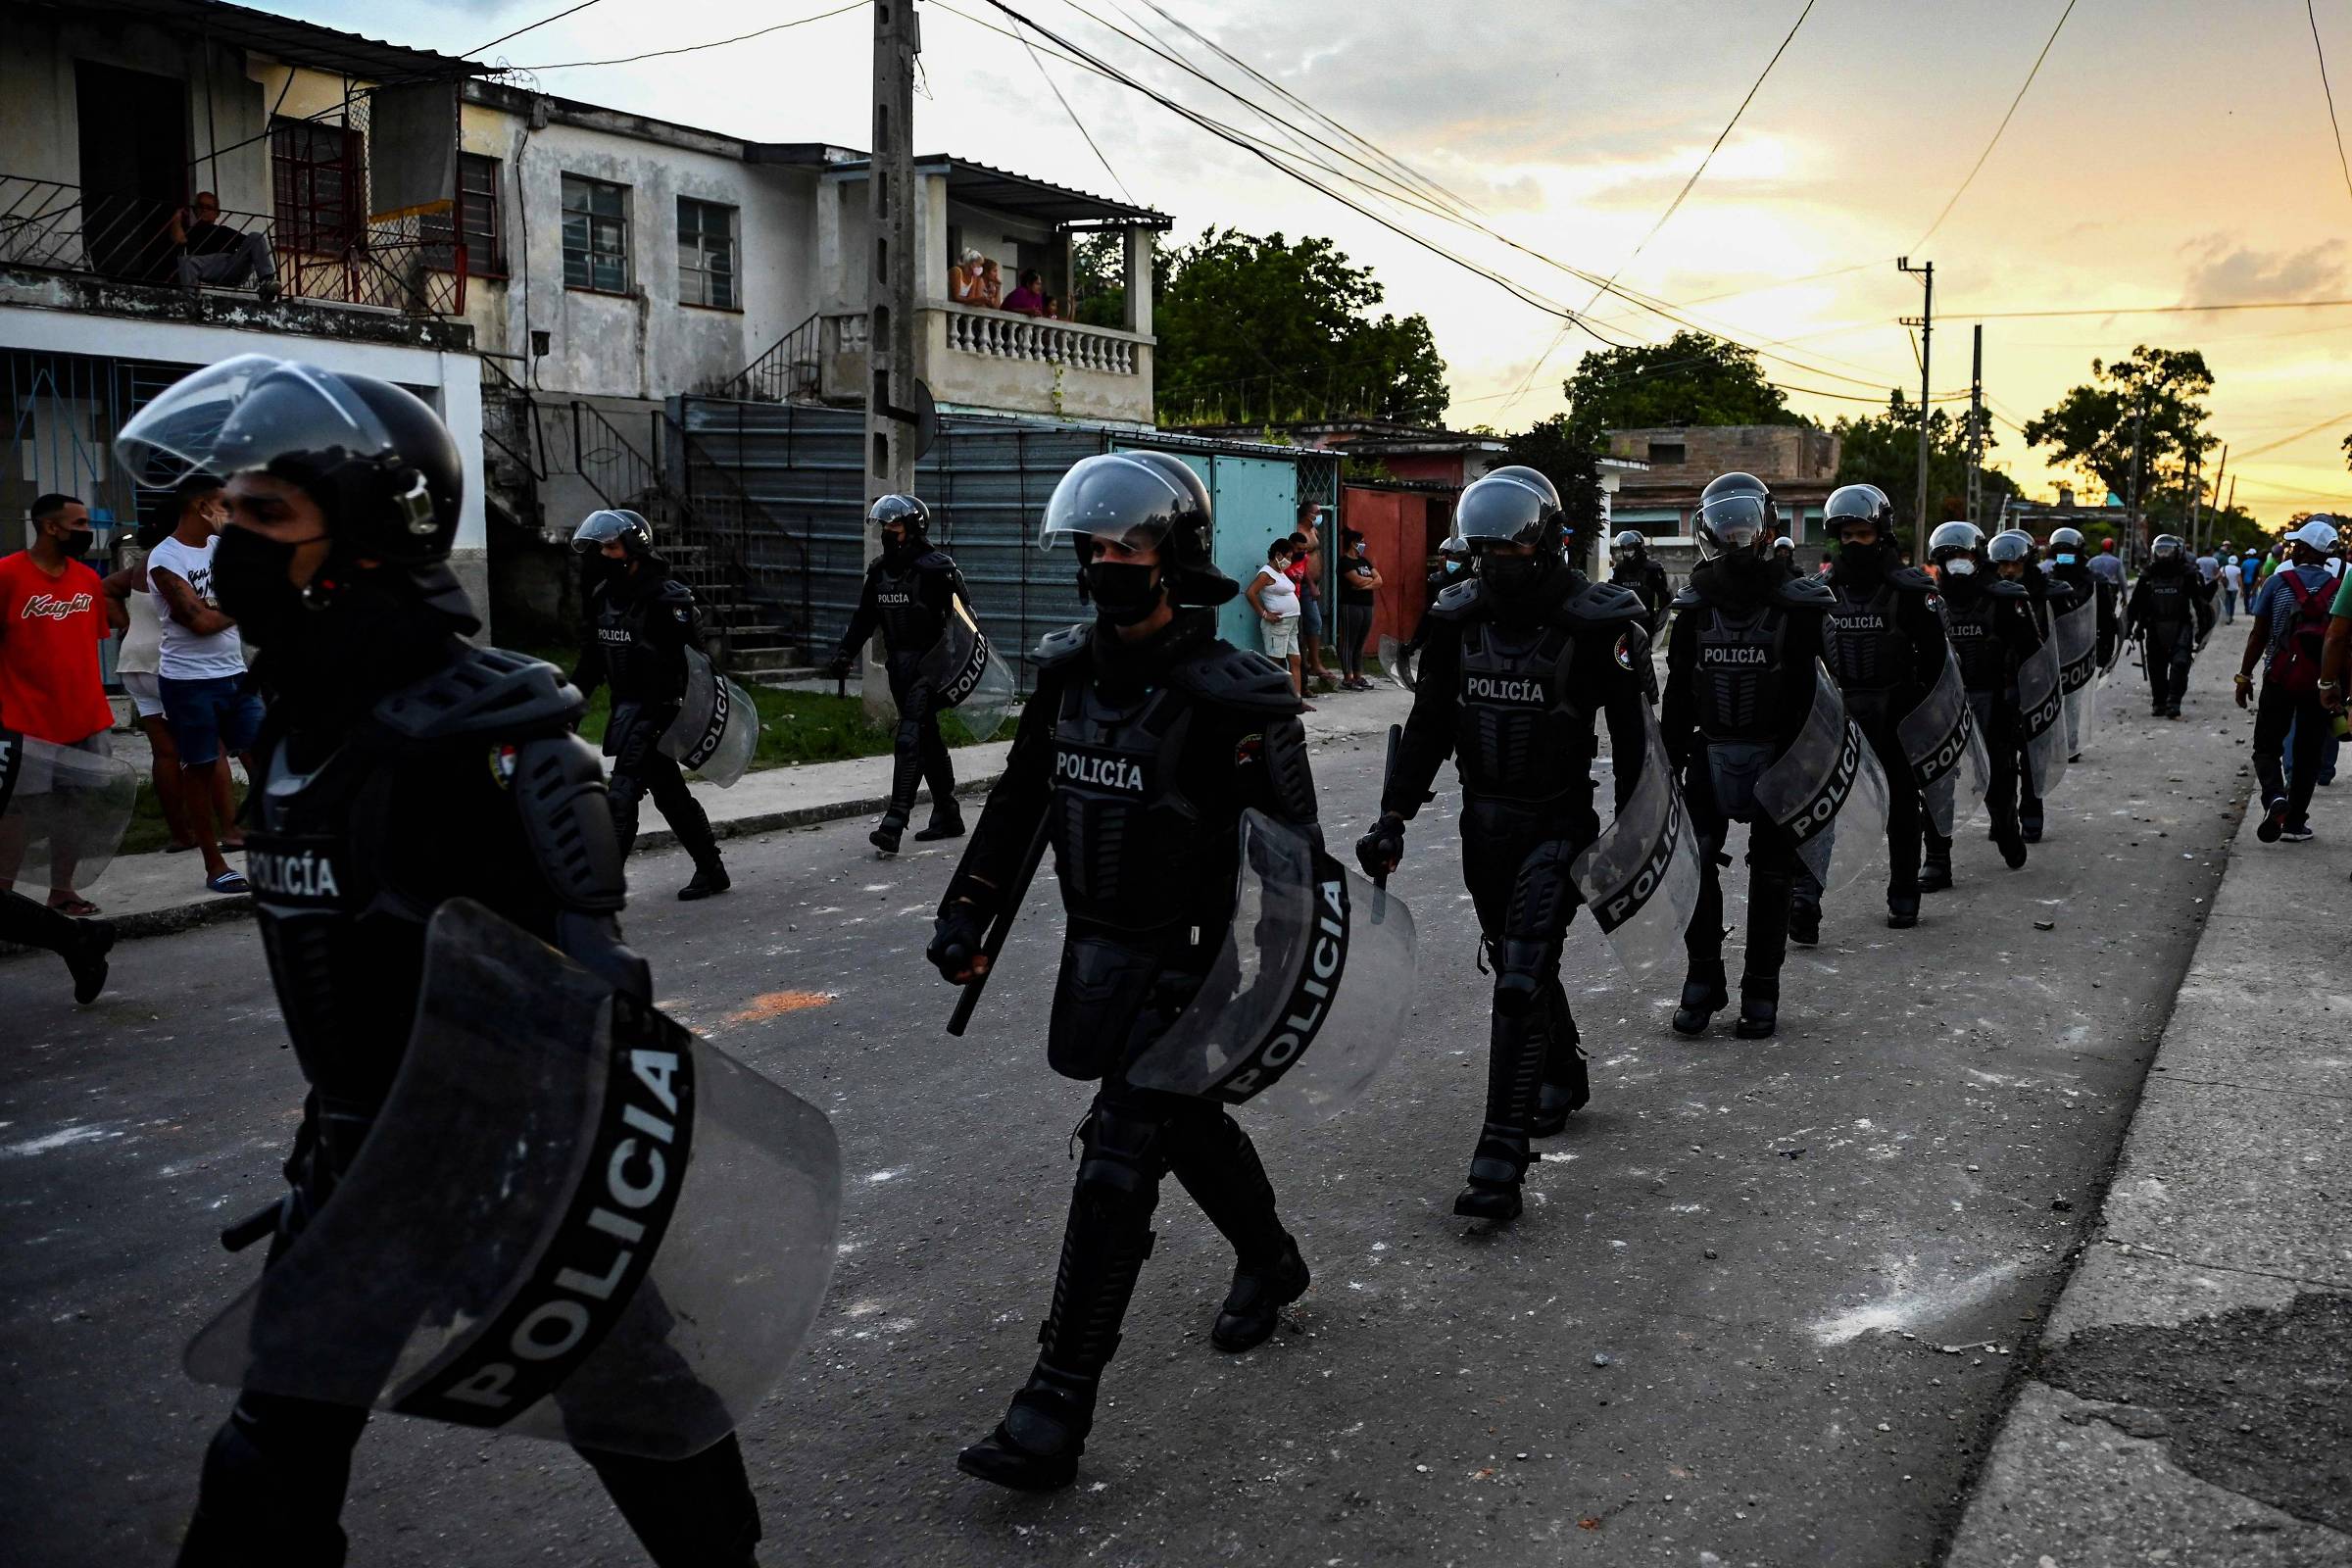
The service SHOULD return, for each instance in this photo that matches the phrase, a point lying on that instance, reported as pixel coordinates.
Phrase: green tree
(2091, 429)
(1258, 329)
(1882, 449)
(1567, 452)
(1691, 378)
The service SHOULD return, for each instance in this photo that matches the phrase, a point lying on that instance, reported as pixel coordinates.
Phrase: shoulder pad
(484, 692)
(1063, 646)
(1605, 601)
(2004, 588)
(1456, 602)
(673, 592)
(1686, 598)
(1912, 580)
(558, 785)
(935, 560)
(1804, 593)
(1235, 677)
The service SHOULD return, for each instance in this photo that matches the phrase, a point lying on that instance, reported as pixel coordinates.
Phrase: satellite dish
(924, 416)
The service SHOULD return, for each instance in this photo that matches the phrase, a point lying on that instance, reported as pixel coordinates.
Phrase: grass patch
(794, 726)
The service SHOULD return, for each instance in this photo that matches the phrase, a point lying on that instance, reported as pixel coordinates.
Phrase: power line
(541, 22)
(2153, 310)
(1721, 136)
(2329, 424)
(2002, 127)
(1056, 89)
(2320, 50)
(692, 48)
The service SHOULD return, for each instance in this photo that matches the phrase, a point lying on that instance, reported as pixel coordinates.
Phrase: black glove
(1379, 851)
(955, 940)
(837, 666)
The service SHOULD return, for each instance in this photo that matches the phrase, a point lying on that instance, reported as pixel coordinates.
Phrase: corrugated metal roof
(287, 38)
(1024, 196)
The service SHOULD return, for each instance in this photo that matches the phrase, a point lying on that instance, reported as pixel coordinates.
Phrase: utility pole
(2195, 481)
(1976, 430)
(891, 201)
(2220, 512)
(1926, 322)
(2139, 431)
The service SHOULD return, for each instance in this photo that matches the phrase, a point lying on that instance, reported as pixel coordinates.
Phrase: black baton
(993, 943)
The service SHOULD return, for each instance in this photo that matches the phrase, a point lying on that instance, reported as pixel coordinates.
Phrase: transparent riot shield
(2077, 637)
(63, 812)
(1944, 750)
(1641, 877)
(717, 727)
(1303, 1007)
(573, 1219)
(967, 675)
(1827, 791)
(1397, 660)
(2041, 706)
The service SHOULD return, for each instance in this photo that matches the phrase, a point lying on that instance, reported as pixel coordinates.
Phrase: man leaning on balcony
(211, 252)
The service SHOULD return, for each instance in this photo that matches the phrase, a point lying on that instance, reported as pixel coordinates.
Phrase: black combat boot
(1219, 1166)
(1703, 996)
(1759, 1007)
(1036, 1447)
(1804, 921)
(886, 833)
(710, 877)
(1253, 1305)
(1566, 1088)
(946, 822)
(1902, 908)
(1498, 1164)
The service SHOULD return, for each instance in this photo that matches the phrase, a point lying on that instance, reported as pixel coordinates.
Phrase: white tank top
(143, 640)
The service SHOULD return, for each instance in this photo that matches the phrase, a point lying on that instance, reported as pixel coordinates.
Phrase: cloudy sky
(2169, 152)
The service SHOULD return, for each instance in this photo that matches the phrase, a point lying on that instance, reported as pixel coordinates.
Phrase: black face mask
(897, 550)
(250, 583)
(1123, 593)
(1513, 577)
(1864, 562)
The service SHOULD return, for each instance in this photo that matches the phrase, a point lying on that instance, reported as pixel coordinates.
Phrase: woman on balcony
(1029, 298)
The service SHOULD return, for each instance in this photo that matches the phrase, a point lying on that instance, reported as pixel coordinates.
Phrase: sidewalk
(152, 894)
(2191, 1399)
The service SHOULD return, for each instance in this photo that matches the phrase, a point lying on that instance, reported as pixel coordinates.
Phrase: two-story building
(118, 117)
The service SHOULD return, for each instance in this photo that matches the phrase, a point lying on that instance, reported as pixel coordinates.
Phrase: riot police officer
(1783, 556)
(1631, 568)
(1991, 622)
(910, 589)
(404, 768)
(2170, 613)
(640, 621)
(2012, 554)
(1521, 661)
(2069, 564)
(1740, 665)
(1147, 738)
(1885, 647)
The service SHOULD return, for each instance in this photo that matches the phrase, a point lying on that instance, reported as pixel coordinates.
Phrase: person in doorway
(1360, 586)
(1275, 597)
(2288, 638)
(211, 252)
(210, 706)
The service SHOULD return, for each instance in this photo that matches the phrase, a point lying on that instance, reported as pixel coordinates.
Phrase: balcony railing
(399, 266)
(1002, 335)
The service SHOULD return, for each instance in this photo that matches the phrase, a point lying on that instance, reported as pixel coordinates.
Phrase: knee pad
(625, 789)
(1523, 971)
(911, 733)
(1124, 1154)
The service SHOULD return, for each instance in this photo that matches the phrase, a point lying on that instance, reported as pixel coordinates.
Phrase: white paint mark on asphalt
(66, 1136)
(877, 887)
(1913, 1301)
(875, 1177)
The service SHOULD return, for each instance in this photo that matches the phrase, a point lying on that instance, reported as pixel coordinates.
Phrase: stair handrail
(774, 376)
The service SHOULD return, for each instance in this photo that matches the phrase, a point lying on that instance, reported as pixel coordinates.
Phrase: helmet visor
(1954, 536)
(2166, 545)
(1504, 509)
(1737, 521)
(2008, 547)
(250, 412)
(600, 528)
(1112, 498)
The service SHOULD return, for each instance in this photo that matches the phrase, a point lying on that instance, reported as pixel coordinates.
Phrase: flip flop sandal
(227, 882)
(77, 909)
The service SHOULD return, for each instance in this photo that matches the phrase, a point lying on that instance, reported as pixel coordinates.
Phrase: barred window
(478, 219)
(319, 175)
(596, 234)
(707, 254)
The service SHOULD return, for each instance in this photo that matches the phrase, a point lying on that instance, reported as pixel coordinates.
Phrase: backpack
(2295, 667)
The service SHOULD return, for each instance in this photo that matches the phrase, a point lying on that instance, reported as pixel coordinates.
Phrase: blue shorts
(207, 717)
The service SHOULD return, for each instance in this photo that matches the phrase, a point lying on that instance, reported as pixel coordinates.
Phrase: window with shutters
(476, 221)
(596, 235)
(707, 255)
(319, 175)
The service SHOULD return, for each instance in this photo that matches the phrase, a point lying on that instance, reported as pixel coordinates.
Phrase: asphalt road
(1759, 1308)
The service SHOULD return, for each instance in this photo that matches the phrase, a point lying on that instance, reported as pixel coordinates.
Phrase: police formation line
(521, 1198)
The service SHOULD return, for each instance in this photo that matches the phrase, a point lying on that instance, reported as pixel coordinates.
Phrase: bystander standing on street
(1306, 572)
(52, 620)
(2231, 580)
(135, 659)
(2290, 616)
(2107, 565)
(1275, 597)
(1360, 584)
(207, 705)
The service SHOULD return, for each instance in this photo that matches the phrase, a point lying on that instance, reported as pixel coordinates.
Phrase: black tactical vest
(632, 667)
(1127, 845)
(1737, 681)
(1519, 733)
(909, 624)
(1868, 649)
(2168, 600)
(1976, 640)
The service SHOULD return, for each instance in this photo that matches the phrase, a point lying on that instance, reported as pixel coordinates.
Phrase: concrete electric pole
(2135, 547)
(1926, 322)
(2222, 512)
(1976, 430)
(890, 205)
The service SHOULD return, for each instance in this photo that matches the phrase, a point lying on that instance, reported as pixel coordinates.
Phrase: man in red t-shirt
(53, 616)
